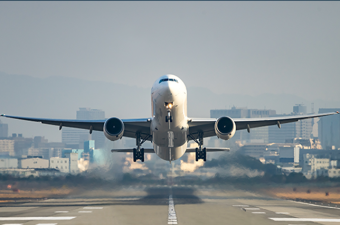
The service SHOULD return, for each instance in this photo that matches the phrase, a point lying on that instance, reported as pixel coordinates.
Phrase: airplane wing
(207, 126)
(150, 150)
(131, 125)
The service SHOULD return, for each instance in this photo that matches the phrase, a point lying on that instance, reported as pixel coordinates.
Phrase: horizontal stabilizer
(150, 150)
(219, 149)
(146, 150)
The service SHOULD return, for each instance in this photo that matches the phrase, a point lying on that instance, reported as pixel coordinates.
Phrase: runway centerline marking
(61, 212)
(306, 220)
(284, 213)
(84, 211)
(172, 218)
(241, 205)
(259, 212)
(252, 208)
(37, 218)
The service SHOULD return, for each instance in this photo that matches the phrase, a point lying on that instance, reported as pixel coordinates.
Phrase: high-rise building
(329, 129)
(300, 129)
(259, 135)
(300, 109)
(3, 130)
(75, 138)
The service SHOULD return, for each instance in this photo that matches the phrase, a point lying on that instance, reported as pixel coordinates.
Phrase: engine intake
(113, 129)
(225, 128)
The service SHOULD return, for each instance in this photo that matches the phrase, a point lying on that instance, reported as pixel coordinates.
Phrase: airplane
(170, 128)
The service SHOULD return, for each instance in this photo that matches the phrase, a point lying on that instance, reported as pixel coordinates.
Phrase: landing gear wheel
(201, 154)
(196, 154)
(204, 152)
(142, 155)
(134, 154)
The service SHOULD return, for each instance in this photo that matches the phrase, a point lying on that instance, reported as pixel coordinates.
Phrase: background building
(301, 129)
(75, 138)
(256, 135)
(32, 163)
(7, 147)
(3, 130)
(329, 129)
(61, 164)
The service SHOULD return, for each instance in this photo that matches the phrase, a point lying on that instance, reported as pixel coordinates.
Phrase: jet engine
(225, 128)
(113, 129)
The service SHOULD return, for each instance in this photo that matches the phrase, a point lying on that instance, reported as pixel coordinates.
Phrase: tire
(142, 154)
(204, 154)
(196, 154)
(134, 154)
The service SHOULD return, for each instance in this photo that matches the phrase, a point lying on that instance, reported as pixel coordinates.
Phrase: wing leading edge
(132, 126)
(207, 125)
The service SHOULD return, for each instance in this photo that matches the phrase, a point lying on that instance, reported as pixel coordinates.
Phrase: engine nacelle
(225, 128)
(113, 129)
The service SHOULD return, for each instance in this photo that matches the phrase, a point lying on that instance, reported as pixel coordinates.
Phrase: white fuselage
(169, 97)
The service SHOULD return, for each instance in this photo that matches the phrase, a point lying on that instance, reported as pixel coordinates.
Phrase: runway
(150, 205)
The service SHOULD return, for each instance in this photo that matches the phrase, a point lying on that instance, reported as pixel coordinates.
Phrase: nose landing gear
(168, 118)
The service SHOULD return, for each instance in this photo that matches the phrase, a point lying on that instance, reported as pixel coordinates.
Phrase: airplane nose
(170, 90)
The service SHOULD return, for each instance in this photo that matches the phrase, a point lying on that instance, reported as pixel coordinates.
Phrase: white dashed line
(259, 212)
(241, 205)
(61, 212)
(84, 211)
(322, 206)
(305, 220)
(284, 213)
(172, 219)
(12, 224)
(46, 224)
(251, 208)
(93, 207)
(37, 218)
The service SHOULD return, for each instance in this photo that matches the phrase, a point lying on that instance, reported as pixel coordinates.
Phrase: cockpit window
(168, 79)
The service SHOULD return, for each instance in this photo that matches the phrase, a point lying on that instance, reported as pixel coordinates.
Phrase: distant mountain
(61, 97)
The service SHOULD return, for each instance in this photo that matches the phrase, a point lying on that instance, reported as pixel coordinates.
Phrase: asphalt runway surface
(150, 205)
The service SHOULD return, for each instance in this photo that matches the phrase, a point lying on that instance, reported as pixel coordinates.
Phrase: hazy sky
(228, 47)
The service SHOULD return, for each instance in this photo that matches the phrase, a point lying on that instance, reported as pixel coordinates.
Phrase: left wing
(131, 125)
(207, 125)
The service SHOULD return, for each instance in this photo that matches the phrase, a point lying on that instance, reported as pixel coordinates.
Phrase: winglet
(2, 114)
(337, 112)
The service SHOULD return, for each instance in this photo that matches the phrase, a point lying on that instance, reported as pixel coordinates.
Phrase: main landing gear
(200, 153)
(138, 153)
